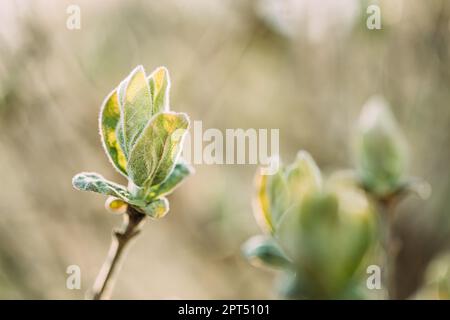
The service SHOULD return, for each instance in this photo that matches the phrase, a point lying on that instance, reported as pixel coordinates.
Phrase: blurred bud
(380, 148)
(325, 229)
(264, 251)
(115, 205)
(306, 226)
(278, 192)
(357, 217)
(332, 231)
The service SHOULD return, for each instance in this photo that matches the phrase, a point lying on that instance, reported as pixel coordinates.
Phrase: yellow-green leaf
(121, 90)
(119, 130)
(121, 140)
(137, 104)
(157, 208)
(175, 178)
(159, 82)
(109, 121)
(156, 151)
(303, 177)
(279, 195)
(272, 199)
(262, 204)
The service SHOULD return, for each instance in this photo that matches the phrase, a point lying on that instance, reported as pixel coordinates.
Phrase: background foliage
(298, 66)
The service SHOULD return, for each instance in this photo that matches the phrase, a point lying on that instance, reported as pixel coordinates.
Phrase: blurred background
(303, 66)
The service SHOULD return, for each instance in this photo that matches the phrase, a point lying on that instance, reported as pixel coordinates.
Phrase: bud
(305, 231)
(332, 231)
(325, 229)
(380, 148)
(142, 139)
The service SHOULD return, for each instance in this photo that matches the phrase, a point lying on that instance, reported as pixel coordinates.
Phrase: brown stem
(388, 256)
(104, 282)
(390, 241)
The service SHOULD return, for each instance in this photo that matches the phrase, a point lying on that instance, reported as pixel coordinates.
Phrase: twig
(387, 243)
(105, 280)
(390, 241)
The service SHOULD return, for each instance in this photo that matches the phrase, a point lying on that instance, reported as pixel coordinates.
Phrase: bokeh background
(305, 67)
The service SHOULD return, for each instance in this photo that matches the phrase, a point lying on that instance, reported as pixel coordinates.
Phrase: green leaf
(157, 208)
(279, 196)
(108, 122)
(119, 130)
(303, 177)
(136, 107)
(156, 151)
(121, 140)
(263, 250)
(272, 198)
(91, 181)
(175, 178)
(319, 210)
(159, 82)
(261, 203)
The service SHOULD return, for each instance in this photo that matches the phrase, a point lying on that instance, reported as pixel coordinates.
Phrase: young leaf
(157, 208)
(306, 230)
(119, 130)
(155, 153)
(121, 91)
(159, 82)
(137, 106)
(272, 199)
(303, 176)
(175, 178)
(121, 139)
(279, 195)
(91, 181)
(263, 250)
(380, 148)
(261, 203)
(108, 122)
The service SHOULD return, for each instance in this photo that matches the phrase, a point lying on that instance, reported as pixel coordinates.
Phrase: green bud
(136, 126)
(326, 229)
(307, 230)
(142, 139)
(380, 148)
